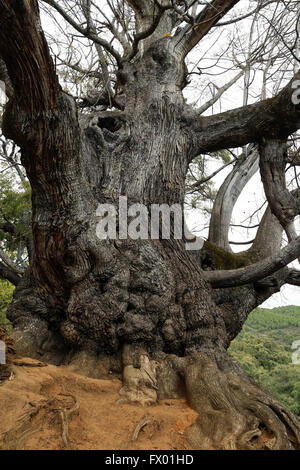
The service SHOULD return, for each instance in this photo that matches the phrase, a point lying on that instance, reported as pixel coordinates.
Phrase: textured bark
(145, 304)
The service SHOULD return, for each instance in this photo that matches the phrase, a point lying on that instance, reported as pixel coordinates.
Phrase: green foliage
(6, 293)
(264, 349)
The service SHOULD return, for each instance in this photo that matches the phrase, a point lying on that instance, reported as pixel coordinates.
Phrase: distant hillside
(264, 348)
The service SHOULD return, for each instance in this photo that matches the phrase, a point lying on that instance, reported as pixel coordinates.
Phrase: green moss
(222, 259)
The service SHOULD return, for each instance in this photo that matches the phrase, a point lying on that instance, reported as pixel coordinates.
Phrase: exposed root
(143, 422)
(35, 419)
(64, 416)
(5, 370)
(153, 427)
(28, 363)
(234, 413)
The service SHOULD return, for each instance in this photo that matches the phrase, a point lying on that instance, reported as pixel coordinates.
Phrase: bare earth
(51, 408)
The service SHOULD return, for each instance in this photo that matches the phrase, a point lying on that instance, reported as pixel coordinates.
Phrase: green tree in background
(264, 350)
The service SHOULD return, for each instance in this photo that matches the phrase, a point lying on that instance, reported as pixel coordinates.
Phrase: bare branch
(246, 15)
(9, 263)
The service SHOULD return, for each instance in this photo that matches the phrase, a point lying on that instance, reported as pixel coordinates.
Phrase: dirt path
(52, 408)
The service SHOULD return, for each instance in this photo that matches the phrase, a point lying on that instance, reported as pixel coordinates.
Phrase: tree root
(139, 383)
(234, 413)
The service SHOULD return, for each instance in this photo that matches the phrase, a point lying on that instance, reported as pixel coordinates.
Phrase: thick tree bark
(145, 304)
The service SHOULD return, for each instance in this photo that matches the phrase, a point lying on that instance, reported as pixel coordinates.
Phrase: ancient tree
(162, 314)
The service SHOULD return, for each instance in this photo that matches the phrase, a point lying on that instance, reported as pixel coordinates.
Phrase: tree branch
(220, 93)
(139, 6)
(9, 263)
(256, 271)
(150, 30)
(268, 237)
(246, 15)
